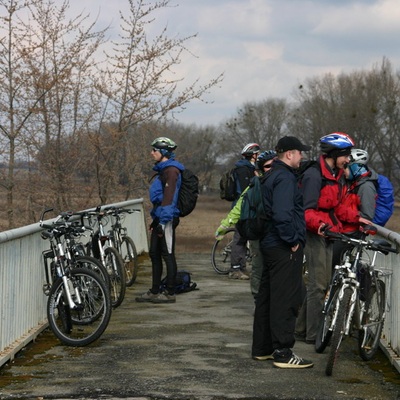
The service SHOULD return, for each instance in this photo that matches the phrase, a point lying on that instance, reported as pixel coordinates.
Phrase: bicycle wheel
(94, 265)
(116, 270)
(338, 329)
(221, 253)
(372, 321)
(84, 325)
(130, 259)
(324, 331)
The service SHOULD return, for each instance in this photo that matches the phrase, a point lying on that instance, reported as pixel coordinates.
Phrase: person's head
(337, 147)
(357, 165)
(162, 147)
(264, 160)
(251, 151)
(289, 150)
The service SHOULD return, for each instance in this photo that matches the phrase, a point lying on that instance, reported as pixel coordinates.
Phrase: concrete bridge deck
(197, 348)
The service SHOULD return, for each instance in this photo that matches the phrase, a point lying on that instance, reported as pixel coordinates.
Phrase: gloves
(160, 230)
(220, 232)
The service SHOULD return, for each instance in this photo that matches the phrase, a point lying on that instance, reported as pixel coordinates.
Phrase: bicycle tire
(116, 270)
(130, 259)
(221, 253)
(324, 331)
(372, 322)
(93, 264)
(338, 330)
(79, 327)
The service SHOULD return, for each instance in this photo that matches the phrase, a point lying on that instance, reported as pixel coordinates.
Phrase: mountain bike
(118, 237)
(79, 305)
(221, 253)
(355, 300)
(108, 255)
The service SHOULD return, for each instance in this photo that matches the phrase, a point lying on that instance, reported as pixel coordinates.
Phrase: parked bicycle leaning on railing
(119, 238)
(355, 300)
(79, 305)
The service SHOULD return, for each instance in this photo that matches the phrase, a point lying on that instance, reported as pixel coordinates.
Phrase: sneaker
(164, 297)
(291, 361)
(263, 358)
(147, 297)
(238, 274)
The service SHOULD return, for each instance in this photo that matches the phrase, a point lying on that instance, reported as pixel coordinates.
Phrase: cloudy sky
(266, 48)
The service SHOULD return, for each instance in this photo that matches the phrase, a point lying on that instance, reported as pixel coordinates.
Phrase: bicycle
(79, 305)
(109, 256)
(221, 253)
(355, 299)
(119, 239)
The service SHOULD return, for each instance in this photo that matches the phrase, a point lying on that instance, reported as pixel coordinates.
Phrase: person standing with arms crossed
(164, 192)
(279, 295)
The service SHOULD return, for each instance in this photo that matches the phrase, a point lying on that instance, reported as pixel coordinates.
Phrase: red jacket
(322, 192)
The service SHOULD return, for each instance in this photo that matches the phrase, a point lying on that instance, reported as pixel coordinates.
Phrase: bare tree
(139, 86)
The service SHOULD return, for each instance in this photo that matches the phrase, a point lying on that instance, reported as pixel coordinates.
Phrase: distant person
(164, 192)
(264, 164)
(245, 170)
(279, 296)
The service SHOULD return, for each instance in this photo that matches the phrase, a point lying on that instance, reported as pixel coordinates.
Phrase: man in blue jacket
(164, 192)
(279, 295)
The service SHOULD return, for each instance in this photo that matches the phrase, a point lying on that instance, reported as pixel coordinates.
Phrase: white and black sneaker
(282, 360)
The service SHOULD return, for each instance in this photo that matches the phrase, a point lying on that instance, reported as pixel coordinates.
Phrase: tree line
(78, 112)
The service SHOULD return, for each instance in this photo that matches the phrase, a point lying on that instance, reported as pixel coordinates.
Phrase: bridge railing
(22, 301)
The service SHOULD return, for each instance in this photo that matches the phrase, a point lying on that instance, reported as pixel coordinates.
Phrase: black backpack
(188, 192)
(227, 185)
(183, 282)
(254, 222)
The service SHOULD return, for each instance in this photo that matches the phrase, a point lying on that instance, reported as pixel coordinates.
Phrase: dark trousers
(278, 300)
(163, 248)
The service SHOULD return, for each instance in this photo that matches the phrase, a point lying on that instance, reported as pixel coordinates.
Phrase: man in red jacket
(322, 188)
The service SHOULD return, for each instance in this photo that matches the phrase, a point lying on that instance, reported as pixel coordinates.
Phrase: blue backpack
(183, 283)
(384, 201)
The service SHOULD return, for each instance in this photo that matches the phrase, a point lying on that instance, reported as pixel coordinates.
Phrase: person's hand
(220, 232)
(365, 221)
(322, 228)
(160, 230)
(295, 248)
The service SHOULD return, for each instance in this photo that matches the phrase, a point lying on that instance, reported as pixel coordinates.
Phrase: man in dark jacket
(279, 296)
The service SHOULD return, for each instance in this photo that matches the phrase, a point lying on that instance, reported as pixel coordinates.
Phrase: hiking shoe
(147, 297)
(164, 297)
(292, 361)
(263, 358)
(238, 274)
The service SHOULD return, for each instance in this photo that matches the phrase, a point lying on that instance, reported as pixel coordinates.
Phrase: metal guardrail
(390, 341)
(22, 302)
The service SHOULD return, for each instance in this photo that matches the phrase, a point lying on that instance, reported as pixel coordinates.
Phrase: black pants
(278, 300)
(163, 248)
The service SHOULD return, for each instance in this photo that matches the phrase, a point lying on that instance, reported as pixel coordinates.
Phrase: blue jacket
(164, 190)
(283, 200)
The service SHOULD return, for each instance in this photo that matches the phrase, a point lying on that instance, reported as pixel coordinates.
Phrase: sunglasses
(267, 166)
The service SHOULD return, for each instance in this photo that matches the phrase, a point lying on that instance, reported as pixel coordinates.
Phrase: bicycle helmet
(336, 144)
(264, 157)
(164, 145)
(359, 156)
(250, 149)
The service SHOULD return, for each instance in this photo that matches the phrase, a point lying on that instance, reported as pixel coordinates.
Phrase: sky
(266, 48)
